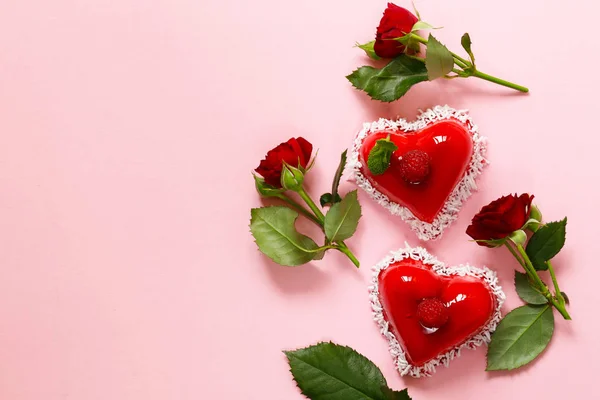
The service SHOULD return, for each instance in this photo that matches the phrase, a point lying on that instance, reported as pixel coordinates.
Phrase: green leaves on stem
(527, 290)
(546, 243)
(274, 227)
(392, 81)
(369, 49)
(438, 60)
(328, 371)
(334, 197)
(275, 234)
(342, 218)
(520, 337)
(526, 331)
(465, 42)
(401, 73)
(380, 156)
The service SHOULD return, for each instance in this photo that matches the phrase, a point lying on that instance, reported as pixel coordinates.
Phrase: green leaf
(369, 48)
(342, 218)
(520, 337)
(327, 199)
(422, 25)
(328, 371)
(546, 243)
(491, 243)
(390, 82)
(438, 60)
(395, 395)
(410, 42)
(266, 190)
(465, 41)
(336, 178)
(276, 236)
(380, 156)
(526, 291)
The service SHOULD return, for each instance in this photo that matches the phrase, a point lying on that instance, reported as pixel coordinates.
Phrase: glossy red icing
(449, 146)
(404, 284)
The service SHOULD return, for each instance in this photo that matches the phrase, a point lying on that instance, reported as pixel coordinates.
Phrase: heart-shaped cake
(431, 172)
(428, 311)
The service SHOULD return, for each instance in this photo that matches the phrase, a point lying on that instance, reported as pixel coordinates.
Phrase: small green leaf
(422, 25)
(526, 291)
(328, 371)
(395, 395)
(276, 236)
(465, 41)
(390, 82)
(492, 242)
(336, 178)
(520, 337)
(342, 218)
(264, 189)
(546, 243)
(438, 60)
(327, 199)
(369, 48)
(378, 160)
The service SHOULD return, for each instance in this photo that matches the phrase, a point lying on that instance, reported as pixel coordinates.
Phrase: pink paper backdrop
(128, 132)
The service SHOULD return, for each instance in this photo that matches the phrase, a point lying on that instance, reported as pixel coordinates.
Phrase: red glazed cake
(429, 311)
(431, 173)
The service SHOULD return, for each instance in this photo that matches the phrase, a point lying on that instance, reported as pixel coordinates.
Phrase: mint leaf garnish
(546, 243)
(369, 48)
(520, 337)
(380, 156)
(438, 60)
(276, 236)
(390, 82)
(526, 291)
(328, 371)
(342, 218)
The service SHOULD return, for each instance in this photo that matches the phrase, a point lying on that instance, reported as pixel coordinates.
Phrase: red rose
(500, 218)
(396, 22)
(295, 152)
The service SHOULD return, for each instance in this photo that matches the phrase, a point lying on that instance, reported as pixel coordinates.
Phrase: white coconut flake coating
(460, 193)
(420, 254)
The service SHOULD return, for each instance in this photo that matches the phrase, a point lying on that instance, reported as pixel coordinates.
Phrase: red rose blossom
(296, 152)
(396, 22)
(500, 218)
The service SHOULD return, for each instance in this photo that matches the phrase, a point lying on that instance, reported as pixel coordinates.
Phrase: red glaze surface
(403, 285)
(449, 146)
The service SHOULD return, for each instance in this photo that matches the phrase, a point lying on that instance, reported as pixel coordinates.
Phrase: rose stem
(464, 64)
(555, 282)
(300, 208)
(532, 273)
(560, 307)
(341, 246)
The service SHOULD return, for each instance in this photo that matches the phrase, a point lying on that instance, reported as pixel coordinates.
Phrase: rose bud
(295, 152)
(500, 218)
(395, 23)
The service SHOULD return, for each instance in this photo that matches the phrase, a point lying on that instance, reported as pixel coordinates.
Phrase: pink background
(128, 132)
